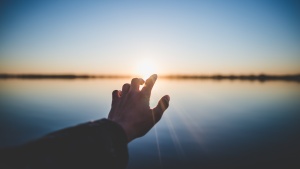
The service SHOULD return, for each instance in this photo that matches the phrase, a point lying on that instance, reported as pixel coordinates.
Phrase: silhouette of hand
(130, 107)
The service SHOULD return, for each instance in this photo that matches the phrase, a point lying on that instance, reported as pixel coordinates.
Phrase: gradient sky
(174, 37)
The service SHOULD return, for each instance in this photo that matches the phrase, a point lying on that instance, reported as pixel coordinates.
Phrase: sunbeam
(158, 148)
(175, 138)
(189, 123)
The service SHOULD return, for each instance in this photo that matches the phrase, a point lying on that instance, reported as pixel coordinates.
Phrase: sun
(146, 68)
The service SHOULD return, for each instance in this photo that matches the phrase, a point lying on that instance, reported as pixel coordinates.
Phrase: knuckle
(144, 98)
(130, 94)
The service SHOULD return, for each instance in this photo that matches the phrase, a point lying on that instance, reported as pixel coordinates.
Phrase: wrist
(125, 129)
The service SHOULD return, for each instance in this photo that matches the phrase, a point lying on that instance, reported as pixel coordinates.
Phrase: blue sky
(175, 37)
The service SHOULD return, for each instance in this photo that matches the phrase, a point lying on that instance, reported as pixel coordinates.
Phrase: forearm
(98, 144)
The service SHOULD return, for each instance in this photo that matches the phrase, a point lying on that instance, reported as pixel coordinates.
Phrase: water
(209, 124)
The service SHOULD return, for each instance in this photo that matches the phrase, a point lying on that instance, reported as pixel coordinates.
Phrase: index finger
(149, 85)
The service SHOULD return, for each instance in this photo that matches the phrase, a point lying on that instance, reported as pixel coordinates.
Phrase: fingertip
(125, 88)
(164, 102)
(142, 81)
(154, 76)
(115, 94)
(167, 97)
(161, 107)
(134, 81)
(151, 80)
(137, 81)
(135, 84)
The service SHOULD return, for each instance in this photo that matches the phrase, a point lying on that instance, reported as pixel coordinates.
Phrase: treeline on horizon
(261, 77)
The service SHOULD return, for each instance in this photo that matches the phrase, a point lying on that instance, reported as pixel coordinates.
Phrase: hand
(130, 107)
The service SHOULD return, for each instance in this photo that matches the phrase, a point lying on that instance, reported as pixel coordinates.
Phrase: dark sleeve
(98, 144)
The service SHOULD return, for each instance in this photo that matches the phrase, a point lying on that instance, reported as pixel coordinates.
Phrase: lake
(209, 124)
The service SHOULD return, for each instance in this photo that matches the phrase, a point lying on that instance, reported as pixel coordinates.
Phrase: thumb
(162, 105)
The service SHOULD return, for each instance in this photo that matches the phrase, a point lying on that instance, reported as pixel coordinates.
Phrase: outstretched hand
(130, 107)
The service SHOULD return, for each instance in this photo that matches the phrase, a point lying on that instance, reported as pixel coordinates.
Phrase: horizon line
(249, 77)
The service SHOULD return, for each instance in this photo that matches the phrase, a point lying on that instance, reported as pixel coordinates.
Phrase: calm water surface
(209, 124)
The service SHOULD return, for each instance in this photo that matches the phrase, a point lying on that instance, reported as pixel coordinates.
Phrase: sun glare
(145, 69)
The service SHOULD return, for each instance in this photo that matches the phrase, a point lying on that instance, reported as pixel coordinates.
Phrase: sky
(164, 37)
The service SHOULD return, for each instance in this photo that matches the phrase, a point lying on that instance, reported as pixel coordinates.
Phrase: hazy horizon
(166, 74)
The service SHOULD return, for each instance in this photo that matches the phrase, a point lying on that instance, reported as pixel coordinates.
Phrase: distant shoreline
(261, 77)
